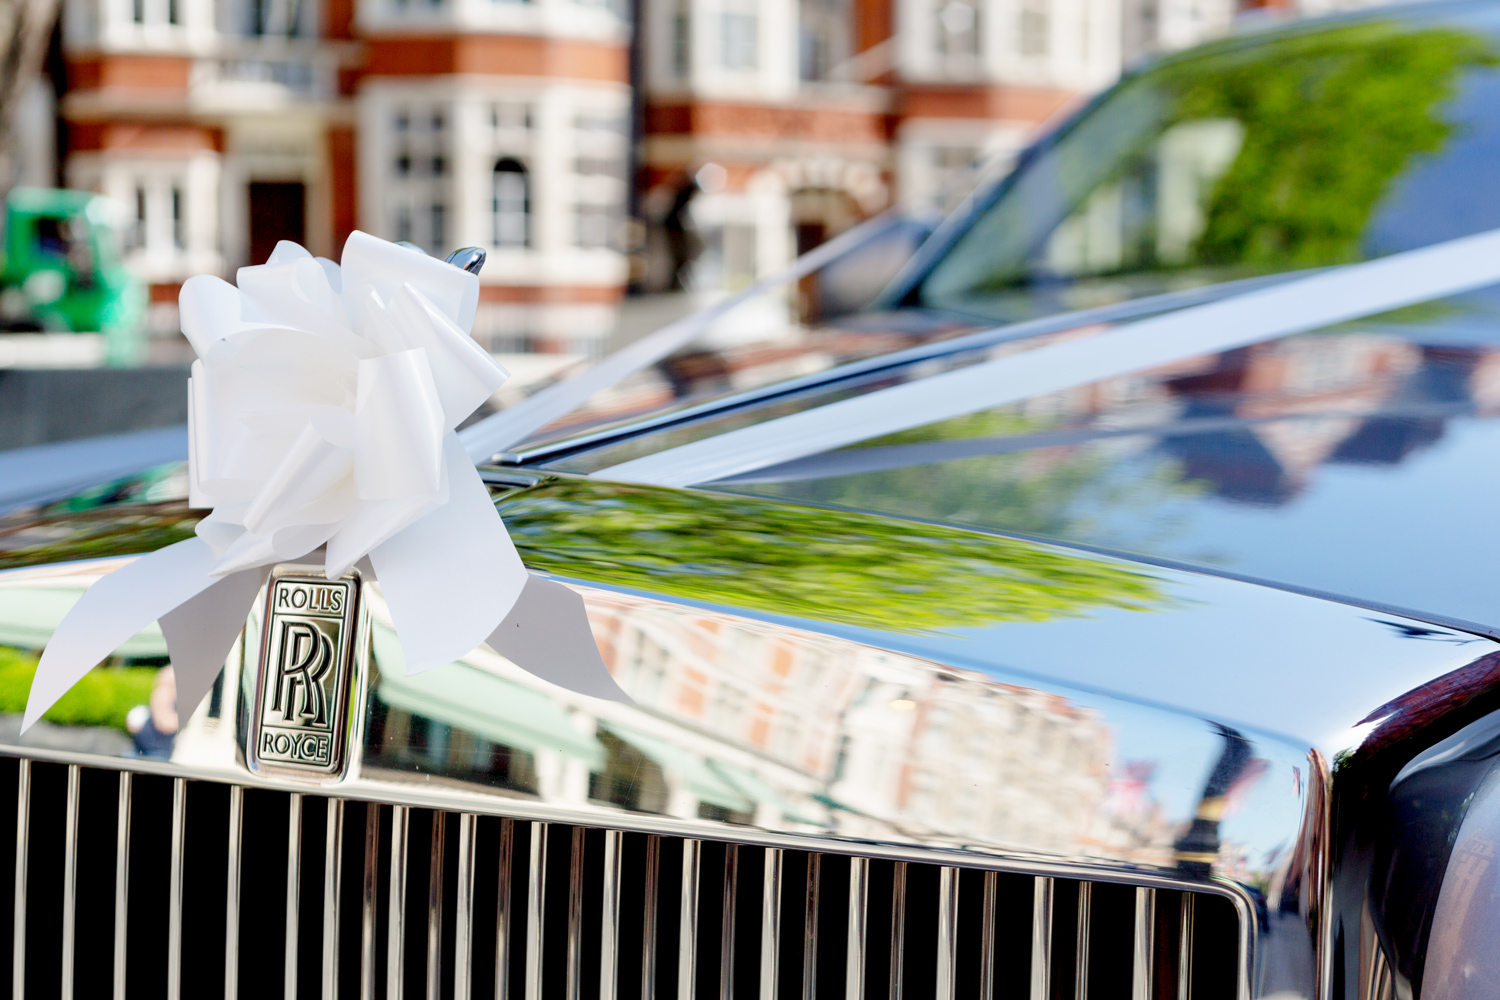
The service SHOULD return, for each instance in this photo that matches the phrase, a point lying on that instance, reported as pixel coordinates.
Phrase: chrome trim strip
(122, 884)
(859, 915)
(367, 902)
(1041, 938)
(463, 909)
(726, 921)
(174, 891)
(1185, 948)
(232, 894)
(987, 938)
(536, 890)
(810, 928)
(898, 927)
(770, 924)
(433, 796)
(575, 915)
(395, 956)
(1145, 944)
(293, 893)
(435, 906)
(648, 929)
(70, 880)
(687, 938)
(502, 909)
(609, 944)
(18, 942)
(333, 865)
(1081, 942)
(947, 933)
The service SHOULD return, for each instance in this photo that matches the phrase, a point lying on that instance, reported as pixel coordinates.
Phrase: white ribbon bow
(322, 410)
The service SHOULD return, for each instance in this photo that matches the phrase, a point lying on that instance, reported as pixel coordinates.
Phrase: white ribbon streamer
(322, 411)
(1296, 306)
(511, 427)
(115, 608)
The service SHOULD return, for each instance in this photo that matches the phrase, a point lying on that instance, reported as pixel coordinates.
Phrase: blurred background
(623, 162)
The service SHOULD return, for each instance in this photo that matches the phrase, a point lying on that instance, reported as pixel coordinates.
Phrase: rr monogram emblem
(305, 673)
(306, 655)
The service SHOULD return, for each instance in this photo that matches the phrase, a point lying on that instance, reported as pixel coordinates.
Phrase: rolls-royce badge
(303, 695)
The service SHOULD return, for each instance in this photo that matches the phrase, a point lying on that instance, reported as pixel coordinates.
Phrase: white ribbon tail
(515, 424)
(547, 633)
(115, 608)
(201, 630)
(450, 577)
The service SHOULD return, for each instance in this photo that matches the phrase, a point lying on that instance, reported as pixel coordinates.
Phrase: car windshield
(1314, 147)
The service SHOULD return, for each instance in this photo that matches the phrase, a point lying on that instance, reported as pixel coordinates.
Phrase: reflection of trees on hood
(1074, 493)
(1330, 120)
(809, 562)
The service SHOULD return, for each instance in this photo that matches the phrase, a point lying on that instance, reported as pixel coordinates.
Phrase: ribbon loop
(322, 409)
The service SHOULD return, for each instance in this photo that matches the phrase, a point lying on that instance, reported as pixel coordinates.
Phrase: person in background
(153, 727)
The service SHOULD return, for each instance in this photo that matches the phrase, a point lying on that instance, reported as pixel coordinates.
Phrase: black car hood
(1360, 460)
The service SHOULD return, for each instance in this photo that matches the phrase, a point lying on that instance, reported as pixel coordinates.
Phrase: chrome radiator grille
(139, 885)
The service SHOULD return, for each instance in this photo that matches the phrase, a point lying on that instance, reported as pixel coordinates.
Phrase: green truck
(62, 272)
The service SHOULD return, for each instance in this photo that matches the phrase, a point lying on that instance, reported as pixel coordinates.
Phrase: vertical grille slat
(651, 894)
(232, 890)
(504, 886)
(898, 930)
(368, 901)
(174, 890)
(609, 946)
(536, 888)
(687, 940)
(122, 884)
(70, 879)
(1081, 947)
(987, 937)
(23, 813)
(395, 973)
(463, 925)
(333, 868)
(726, 921)
(859, 904)
(293, 897)
(1142, 968)
(575, 916)
(1041, 939)
(947, 931)
(1185, 948)
(770, 932)
(771, 922)
(435, 908)
(810, 927)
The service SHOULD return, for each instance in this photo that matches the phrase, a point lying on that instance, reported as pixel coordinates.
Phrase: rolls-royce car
(1109, 607)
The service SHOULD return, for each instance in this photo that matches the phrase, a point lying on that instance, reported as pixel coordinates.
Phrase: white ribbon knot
(322, 411)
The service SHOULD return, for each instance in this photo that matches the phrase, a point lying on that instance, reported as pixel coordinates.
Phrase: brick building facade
(759, 126)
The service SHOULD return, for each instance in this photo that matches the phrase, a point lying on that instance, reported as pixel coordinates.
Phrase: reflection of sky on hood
(1412, 535)
(1452, 194)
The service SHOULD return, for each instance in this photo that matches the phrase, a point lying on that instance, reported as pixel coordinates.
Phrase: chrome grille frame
(400, 841)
